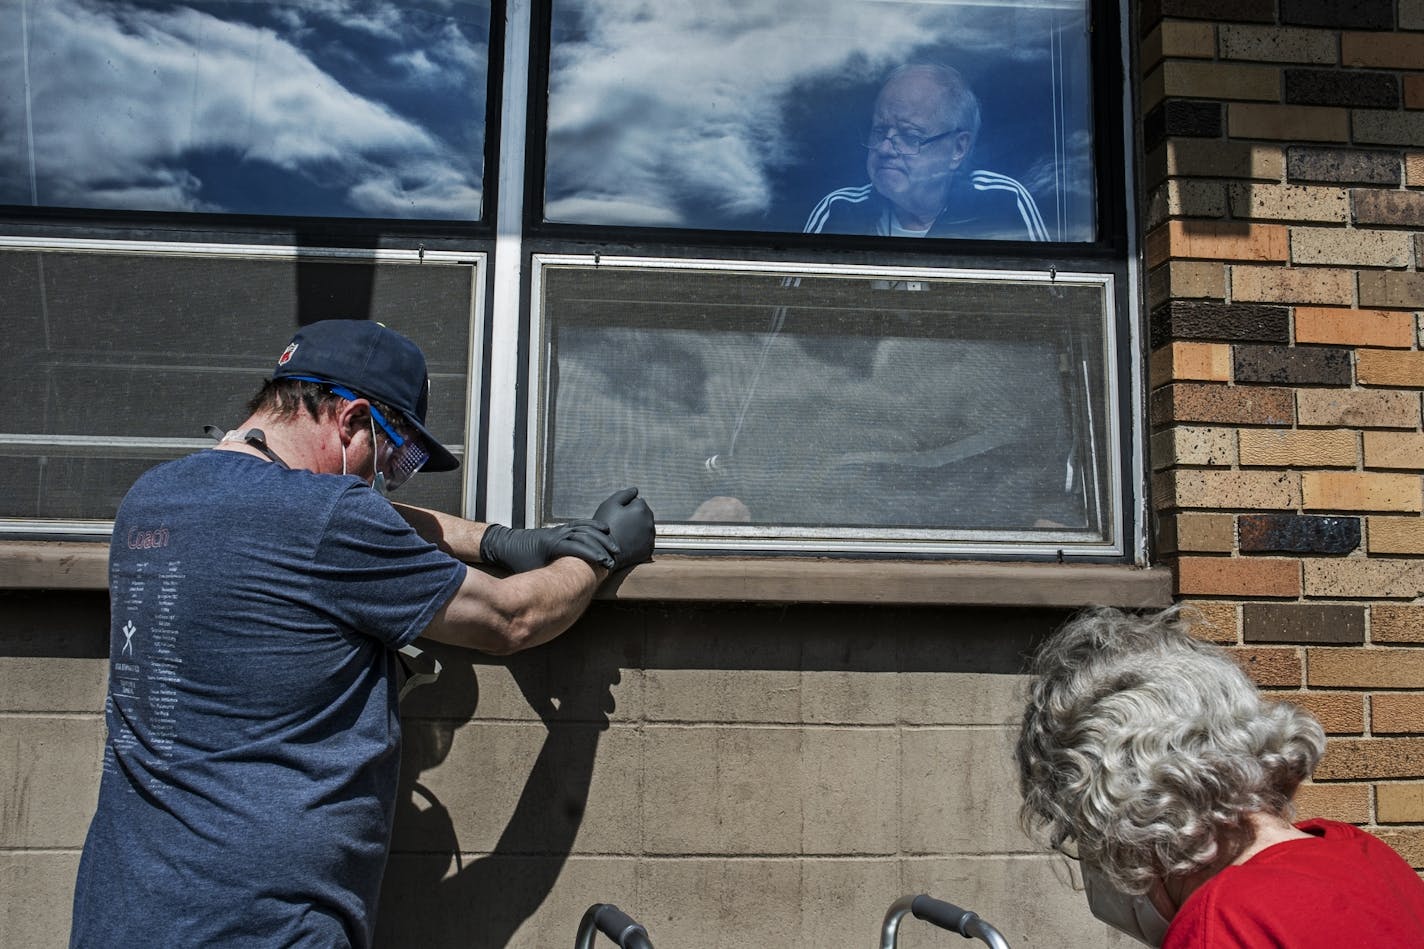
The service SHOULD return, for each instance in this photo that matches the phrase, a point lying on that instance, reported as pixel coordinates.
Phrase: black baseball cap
(372, 361)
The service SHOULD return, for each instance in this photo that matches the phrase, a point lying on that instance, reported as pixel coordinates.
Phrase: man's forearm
(555, 597)
(458, 537)
(505, 615)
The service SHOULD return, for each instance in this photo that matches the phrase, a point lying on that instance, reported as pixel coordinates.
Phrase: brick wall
(1284, 148)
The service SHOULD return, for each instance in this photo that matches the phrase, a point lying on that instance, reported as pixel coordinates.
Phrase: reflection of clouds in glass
(1068, 177)
(418, 189)
(657, 107)
(379, 20)
(125, 99)
(1072, 172)
(587, 207)
(159, 188)
(417, 63)
(448, 61)
(663, 111)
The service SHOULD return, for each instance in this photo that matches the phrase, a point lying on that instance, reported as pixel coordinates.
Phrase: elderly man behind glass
(922, 131)
(1153, 759)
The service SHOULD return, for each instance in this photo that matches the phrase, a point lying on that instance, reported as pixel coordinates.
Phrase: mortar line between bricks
(704, 724)
(900, 760)
(680, 723)
(645, 720)
(878, 857)
(624, 725)
(43, 713)
(47, 851)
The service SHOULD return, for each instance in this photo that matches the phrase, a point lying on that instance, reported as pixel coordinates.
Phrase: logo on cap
(287, 354)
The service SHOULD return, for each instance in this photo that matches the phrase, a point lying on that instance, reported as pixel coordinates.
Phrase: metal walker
(629, 934)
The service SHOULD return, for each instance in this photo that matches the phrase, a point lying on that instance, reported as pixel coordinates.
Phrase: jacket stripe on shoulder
(822, 211)
(1028, 210)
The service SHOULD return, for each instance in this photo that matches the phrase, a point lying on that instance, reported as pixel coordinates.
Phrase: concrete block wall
(1285, 252)
(728, 775)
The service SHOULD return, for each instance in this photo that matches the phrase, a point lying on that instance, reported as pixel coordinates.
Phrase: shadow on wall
(325, 292)
(45, 624)
(471, 863)
(446, 886)
(434, 895)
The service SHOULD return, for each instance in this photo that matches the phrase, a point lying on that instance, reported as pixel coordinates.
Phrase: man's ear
(963, 145)
(351, 419)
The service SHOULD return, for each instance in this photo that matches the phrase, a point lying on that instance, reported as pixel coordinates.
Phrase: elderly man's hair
(1147, 750)
(963, 105)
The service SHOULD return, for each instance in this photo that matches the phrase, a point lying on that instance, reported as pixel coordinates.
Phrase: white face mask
(1135, 915)
(378, 480)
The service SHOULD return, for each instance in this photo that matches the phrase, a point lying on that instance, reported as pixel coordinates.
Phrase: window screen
(801, 115)
(116, 361)
(341, 109)
(765, 407)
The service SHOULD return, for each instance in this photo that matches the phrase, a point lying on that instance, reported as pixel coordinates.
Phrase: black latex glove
(630, 521)
(521, 550)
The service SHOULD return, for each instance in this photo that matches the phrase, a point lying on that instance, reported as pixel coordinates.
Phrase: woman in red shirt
(1153, 759)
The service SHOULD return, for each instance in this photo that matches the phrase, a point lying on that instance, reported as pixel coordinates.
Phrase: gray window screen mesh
(110, 354)
(917, 408)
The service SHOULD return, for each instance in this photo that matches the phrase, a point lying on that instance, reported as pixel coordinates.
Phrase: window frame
(511, 233)
(913, 542)
(1113, 252)
(471, 485)
(305, 230)
(1109, 52)
(289, 236)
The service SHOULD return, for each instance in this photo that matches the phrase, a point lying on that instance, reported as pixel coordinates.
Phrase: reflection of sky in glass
(325, 107)
(742, 114)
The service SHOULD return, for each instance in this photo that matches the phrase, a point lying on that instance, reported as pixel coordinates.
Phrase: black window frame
(1109, 253)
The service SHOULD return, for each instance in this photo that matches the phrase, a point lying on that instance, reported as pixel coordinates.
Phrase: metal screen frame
(847, 540)
(175, 447)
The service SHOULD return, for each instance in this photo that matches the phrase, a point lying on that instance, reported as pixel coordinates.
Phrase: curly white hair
(1146, 750)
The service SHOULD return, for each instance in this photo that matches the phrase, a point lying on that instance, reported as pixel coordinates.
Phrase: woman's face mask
(1134, 915)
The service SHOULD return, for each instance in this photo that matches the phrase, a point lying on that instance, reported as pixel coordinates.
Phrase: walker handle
(942, 914)
(613, 923)
(967, 923)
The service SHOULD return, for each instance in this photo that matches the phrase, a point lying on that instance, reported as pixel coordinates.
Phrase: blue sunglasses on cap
(409, 454)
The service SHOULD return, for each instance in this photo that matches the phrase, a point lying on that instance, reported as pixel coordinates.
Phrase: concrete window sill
(56, 565)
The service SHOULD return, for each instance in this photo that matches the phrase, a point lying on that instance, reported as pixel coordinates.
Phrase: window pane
(754, 116)
(833, 407)
(118, 360)
(346, 108)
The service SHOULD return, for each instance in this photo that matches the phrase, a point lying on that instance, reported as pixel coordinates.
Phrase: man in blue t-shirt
(258, 595)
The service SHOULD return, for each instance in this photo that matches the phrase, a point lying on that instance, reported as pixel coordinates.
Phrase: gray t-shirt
(250, 770)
